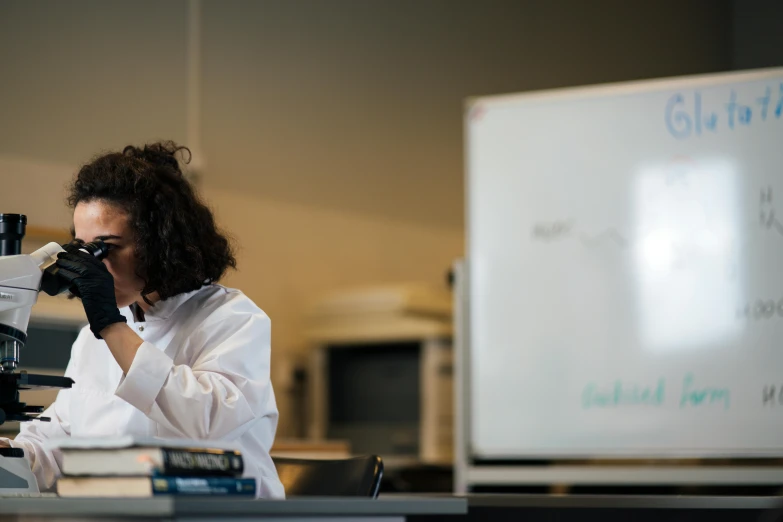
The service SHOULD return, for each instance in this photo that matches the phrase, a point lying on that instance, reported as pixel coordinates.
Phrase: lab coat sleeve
(220, 394)
(33, 435)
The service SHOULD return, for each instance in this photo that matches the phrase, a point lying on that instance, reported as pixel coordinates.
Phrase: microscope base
(16, 476)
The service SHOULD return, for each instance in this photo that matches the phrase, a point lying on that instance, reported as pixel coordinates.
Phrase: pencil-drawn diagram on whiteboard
(676, 196)
(682, 240)
(567, 228)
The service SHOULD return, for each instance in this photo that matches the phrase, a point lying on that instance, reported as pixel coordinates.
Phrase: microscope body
(20, 281)
(22, 277)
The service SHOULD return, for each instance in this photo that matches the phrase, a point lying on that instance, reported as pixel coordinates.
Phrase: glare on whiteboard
(685, 262)
(657, 250)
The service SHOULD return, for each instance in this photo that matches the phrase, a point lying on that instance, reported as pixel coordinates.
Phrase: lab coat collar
(162, 310)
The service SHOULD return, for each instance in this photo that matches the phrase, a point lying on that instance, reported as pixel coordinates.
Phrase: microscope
(22, 277)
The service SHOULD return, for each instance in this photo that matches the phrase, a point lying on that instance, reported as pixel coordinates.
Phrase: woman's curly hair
(178, 246)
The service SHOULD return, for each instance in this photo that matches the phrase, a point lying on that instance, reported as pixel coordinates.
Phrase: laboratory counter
(611, 508)
(203, 509)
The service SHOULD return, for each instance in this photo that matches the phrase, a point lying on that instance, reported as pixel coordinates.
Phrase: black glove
(95, 285)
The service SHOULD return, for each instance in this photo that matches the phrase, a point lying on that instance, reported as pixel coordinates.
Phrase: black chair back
(352, 477)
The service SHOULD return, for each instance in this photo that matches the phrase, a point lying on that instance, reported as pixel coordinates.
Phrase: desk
(611, 508)
(398, 508)
(226, 508)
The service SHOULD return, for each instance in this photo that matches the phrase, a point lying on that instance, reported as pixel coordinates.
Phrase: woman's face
(101, 220)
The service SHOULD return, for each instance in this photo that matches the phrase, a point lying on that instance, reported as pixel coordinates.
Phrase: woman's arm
(34, 434)
(216, 395)
(226, 388)
(123, 343)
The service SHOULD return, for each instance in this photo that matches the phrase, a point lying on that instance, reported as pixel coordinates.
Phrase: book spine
(200, 463)
(203, 486)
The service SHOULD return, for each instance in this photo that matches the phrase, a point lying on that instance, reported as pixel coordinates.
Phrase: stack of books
(129, 467)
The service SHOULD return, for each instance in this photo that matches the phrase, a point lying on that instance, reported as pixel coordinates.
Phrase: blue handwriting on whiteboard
(702, 396)
(622, 394)
(687, 116)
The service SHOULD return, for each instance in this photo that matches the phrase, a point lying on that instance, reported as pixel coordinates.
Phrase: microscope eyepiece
(96, 248)
(12, 230)
(53, 283)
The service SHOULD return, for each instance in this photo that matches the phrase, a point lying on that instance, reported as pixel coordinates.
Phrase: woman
(168, 352)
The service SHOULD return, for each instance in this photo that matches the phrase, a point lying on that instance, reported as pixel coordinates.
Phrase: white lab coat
(201, 373)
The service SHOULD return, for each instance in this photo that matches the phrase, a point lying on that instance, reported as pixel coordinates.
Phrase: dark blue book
(203, 486)
(155, 485)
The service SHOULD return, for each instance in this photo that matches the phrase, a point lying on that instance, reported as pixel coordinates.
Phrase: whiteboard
(625, 269)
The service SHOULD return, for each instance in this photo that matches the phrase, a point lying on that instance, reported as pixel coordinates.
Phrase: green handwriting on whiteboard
(695, 396)
(623, 394)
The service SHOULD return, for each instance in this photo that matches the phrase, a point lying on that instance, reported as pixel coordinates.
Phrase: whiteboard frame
(582, 92)
(467, 472)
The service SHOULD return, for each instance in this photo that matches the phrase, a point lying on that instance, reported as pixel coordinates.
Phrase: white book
(135, 456)
(130, 441)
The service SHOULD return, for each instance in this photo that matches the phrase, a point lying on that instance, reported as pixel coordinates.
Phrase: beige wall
(332, 130)
(83, 75)
(306, 251)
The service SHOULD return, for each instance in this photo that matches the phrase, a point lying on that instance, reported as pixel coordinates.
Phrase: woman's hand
(95, 285)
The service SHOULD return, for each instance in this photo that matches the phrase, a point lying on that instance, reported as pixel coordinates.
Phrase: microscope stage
(33, 381)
